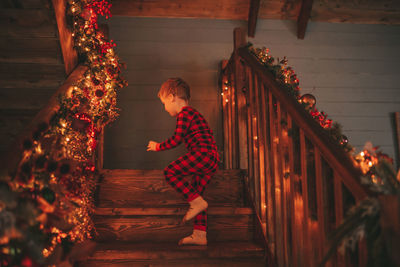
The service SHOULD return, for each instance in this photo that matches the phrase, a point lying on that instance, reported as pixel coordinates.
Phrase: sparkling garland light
(377, 168)
(47, 204)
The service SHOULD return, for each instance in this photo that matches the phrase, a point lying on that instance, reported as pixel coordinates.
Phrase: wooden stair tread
(176, 263)
(138, 222)
(157, 174)
(169, 250)
(158, 228)
(149, 188)
(173, 210)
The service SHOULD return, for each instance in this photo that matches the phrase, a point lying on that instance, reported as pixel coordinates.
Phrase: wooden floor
(138, 215)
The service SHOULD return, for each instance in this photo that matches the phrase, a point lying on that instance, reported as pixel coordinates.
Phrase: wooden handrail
(299, 180)
(15, 152)
(338, 158)
(70, 56)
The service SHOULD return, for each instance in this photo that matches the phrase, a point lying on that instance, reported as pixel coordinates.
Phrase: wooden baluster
(255, 128)
(282, 181)
(270, 184)
(230, 120)
(296, 236)
(338, 211)
(250, 132)
(240, 82)
(239, 40)
(280, 251)
(224, 86)
(263, 147)
(306, 235)
(320, 204)
(233, 130)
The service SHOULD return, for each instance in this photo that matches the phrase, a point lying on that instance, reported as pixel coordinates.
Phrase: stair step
(179, 263)
(163, 224)
(169, 250)
(176, 210)
(149, 188)
(30, 50)
(168, 253)
(23, 23)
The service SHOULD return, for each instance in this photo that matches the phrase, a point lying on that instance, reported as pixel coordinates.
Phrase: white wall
(352, 68)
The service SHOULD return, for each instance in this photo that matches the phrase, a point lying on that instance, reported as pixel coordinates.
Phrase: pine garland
(45, 207)
(378, 176)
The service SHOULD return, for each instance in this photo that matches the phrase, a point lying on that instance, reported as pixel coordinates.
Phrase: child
(201, 161)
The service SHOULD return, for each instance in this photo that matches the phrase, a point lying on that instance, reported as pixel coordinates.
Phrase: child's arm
(182, 125)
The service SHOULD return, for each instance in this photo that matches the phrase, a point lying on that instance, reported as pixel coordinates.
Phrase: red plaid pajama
(201, 161)
(201, 166)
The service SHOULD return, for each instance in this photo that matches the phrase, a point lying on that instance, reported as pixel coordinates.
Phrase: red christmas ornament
(87, 13)
(81, 122)
(99, 93)
(95, 81)
(27, 262)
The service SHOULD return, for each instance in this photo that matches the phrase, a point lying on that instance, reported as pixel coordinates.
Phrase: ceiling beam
(304, 16)
(253, 14)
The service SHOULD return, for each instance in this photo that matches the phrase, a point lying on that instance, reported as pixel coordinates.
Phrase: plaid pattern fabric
(201, 166)
(193, 129)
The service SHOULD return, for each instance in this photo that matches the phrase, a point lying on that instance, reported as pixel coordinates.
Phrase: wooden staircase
(137, 220)
(31, 63)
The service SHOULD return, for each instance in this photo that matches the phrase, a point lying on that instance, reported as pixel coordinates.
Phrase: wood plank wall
(352, 67)
(154, 50)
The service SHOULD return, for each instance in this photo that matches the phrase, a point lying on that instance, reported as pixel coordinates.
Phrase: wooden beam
(253, 14)
(368, 11)
(303, 18)
(397, 137)
(223, 9)
(70, 55)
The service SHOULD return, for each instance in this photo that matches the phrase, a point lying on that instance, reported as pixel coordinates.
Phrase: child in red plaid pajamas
(201, 162)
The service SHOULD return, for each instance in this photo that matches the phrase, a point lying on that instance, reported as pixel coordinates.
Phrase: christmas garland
(287, 78)
(377, 168)
(45, 207)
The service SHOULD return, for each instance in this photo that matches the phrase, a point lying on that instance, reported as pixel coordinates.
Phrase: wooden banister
(15, 152)
(70, 56)
(300, 182)
(339, 159)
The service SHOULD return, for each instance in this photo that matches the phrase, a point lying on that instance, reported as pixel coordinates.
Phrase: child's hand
(152, 146)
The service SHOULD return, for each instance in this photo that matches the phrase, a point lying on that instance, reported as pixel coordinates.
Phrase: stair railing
(300, 182)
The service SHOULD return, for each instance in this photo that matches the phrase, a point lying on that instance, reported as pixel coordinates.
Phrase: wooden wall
(352, 67)
(352, 70)
(154, 50)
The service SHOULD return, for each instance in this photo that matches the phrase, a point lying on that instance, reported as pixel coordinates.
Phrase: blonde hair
(176, 87)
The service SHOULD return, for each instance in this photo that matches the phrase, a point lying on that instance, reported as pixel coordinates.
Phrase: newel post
(390, 223)
(239, 39)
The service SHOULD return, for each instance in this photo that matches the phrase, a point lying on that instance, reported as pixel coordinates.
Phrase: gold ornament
(309, 100)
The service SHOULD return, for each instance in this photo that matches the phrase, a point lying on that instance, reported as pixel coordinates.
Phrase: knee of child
(168, 172)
